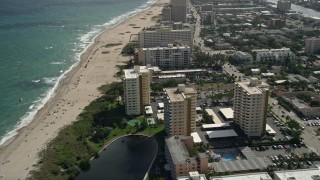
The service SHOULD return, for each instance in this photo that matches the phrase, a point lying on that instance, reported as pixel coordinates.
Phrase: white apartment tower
(171, 56)
(136, 84)
(180, 110)
(250, 106)
(163, 36)
(179, 10)
(312, 45)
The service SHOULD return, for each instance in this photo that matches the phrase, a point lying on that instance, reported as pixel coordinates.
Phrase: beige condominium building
(179, 10)
(136, 84)
(179, 160)
(180, 110)
(250, 106)
(312, 45)
(161, 37)
(171, 56)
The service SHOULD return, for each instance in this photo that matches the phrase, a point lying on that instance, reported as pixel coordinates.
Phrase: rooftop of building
(241, 53)
(271, 50)
(193, 175)
(178, 94)
(178, 150)
(305, 174)
(246, 176)
(170, 46)
(254, 86)
(227, 112)
(130, 74)
(184, 71)
(134, 72)
(171, 76)
(221, 133)
(165, 29)
(313, 38)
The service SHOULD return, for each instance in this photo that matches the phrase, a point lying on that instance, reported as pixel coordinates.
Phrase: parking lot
(276, 126)
(283, 150)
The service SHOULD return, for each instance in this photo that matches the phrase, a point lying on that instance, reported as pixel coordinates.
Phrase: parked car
(309, 163)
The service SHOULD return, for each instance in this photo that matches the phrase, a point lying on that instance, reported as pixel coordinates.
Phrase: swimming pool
(228, 156)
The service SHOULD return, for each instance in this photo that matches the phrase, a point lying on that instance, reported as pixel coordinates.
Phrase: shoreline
(75, 90)
(53, 90)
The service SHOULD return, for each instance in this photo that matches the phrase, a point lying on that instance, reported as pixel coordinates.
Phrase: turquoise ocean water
(39, 41)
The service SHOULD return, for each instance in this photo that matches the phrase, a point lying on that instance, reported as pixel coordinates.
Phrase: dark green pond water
(126, 158)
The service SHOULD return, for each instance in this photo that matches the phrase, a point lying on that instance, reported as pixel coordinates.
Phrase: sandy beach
(75, 91)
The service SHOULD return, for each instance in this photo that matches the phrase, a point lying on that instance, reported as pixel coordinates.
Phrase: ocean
(40, 40)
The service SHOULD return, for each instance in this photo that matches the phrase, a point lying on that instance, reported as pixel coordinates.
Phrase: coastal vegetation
(105, 52)
(128, 49)
(112, 44)
(101, 121)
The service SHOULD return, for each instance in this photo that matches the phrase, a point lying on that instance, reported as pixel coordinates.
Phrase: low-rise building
(301, 107)
(246, 176)
(255, 71)
(193, 175)
(297, 174)
(227, 113)
(242, 57)
(179, 159)
(265, 55)
(161, 79)
(222, 46)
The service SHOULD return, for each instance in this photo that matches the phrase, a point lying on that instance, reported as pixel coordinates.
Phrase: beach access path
(75, 91)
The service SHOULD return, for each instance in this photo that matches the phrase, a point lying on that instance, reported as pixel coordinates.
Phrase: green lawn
(101, 121)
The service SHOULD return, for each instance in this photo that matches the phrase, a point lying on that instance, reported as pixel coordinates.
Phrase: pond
(128, 157)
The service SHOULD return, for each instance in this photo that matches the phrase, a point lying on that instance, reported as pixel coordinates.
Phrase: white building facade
(266, 55)
(161, 37)
(171, 56)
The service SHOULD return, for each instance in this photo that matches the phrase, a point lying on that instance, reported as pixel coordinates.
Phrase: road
(308, 135)
(230, 69)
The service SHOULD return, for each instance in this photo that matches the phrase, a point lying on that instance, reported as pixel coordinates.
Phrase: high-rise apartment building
(161, 37)
(166, 13)
(180, 110)
(250, 106)
(179, 10)
(283, 5)
(136, 84)
(312, 45)
(171, 56)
